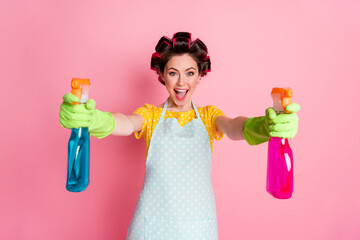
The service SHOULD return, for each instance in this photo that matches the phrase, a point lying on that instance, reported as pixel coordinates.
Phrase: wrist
(255, 131)
(103, 125)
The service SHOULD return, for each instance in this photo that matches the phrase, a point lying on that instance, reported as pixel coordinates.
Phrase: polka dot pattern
(151, 115)
(177, 199)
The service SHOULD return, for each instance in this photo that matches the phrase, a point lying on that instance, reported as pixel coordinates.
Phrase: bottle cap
(80, 88)
(281, 98)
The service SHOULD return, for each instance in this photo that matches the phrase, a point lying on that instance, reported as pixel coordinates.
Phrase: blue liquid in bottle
(78, 160)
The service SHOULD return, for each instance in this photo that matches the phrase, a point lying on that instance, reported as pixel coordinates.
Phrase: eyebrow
(178, 70)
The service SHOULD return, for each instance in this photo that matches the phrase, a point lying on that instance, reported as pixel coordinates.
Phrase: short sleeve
(147, 113)
(210, 113)
(214, 112)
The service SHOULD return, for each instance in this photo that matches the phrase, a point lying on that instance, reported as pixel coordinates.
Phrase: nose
(181, 80)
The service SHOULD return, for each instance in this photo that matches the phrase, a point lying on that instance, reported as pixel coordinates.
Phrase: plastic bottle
(79, 144)
(280, 158)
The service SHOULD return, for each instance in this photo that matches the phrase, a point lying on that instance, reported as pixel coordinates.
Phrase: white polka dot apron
(176, 201)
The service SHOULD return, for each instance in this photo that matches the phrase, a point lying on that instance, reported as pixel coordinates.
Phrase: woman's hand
(258, 130)
(75, 116)
(284, 125)
(100, 123)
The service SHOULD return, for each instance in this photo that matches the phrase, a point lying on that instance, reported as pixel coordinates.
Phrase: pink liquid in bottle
(279, 181)
(280, 168)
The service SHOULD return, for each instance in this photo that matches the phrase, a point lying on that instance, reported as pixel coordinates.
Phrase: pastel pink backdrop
(311, 46)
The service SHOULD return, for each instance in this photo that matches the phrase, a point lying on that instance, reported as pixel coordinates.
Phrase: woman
(177, 199)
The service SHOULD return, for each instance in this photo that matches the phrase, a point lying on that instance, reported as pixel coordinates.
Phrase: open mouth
(181, 93)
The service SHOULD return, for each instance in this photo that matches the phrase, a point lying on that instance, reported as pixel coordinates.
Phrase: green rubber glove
(258, 130)
(100, 124)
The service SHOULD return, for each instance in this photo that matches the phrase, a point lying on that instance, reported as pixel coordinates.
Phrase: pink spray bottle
(280, 158)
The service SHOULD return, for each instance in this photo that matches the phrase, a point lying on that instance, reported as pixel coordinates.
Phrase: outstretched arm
(125, 125)
(258, 130)
(100, 124)
(232, 127)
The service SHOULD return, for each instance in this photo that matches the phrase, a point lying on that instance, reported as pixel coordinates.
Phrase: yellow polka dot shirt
(152, 114)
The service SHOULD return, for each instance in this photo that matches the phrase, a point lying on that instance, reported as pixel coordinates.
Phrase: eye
(190, 73)
(172, 74)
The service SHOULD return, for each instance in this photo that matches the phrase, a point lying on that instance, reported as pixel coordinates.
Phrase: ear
(161, 78)
(161, 75)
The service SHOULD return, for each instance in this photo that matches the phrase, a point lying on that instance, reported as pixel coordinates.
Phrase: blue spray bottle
(79, 144)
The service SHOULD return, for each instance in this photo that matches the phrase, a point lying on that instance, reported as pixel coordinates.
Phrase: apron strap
(164, 110)
(196, 111)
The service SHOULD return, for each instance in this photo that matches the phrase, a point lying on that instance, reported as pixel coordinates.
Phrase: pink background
(311, 46)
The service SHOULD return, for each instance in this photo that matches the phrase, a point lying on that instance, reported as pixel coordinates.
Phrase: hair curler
(79, 144)
(280, 158)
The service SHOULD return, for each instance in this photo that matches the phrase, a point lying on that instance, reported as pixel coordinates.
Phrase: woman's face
(181, 76)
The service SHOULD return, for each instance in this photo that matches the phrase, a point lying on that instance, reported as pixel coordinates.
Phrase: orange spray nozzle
(281, 98)
(80, 86)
